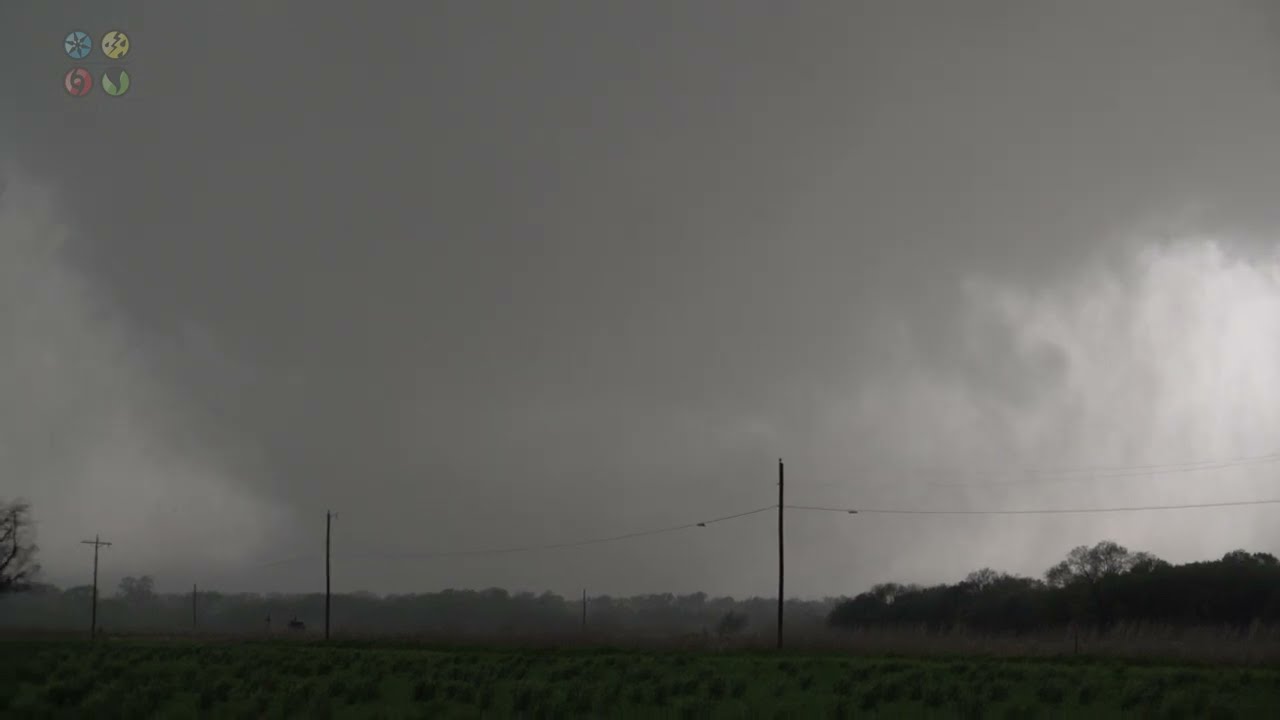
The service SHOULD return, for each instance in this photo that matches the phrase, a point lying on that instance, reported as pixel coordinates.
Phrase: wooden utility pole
(328, 524)
(780, 480)
(96, 542)
(584, 610)
(195, 590)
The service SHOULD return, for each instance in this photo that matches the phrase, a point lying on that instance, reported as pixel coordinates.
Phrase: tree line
(1097, 587)
(135, 606)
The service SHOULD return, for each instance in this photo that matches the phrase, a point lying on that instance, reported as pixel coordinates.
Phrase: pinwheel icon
(78, 45)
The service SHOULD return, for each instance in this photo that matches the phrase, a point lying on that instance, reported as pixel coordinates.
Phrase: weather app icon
(115, 44)
(77, 82)
(115, 82)
(78, 45)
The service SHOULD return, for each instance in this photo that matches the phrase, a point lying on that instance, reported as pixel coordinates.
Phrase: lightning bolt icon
(116, 42)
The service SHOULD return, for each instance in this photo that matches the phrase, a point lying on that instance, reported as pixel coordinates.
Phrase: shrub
(69, 692)
(1019, 712)
(1051, 692)
(424, 691)
(717, 687)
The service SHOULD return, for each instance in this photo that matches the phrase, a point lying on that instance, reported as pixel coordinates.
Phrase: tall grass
(129, 677)
(1258, 644)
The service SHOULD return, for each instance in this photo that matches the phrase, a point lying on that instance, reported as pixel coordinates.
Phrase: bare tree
(17, 552)
(1092, 564)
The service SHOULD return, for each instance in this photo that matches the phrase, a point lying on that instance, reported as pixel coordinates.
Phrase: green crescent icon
(113, 89)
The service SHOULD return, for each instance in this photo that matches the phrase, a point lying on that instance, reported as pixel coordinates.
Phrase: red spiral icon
(78, 82)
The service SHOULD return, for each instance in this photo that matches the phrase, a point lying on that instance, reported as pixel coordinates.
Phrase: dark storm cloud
(479, 273)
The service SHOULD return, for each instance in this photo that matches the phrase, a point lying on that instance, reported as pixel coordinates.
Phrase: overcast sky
(479, 274)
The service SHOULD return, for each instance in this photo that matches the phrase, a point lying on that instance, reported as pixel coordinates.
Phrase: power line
(1168, 470)
(282, 561)
(490, 551)
(384, 555)
(1106, 469)
(1141, 471)
(1039, 511)
(553, 546)
(428, 555)
(1061, 477)
(1268, 457)
(223, 574)
(226, 574)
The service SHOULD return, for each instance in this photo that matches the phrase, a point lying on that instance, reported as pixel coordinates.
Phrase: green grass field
(176, 679)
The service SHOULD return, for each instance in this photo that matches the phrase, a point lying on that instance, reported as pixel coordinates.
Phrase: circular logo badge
(115, 44)
(78, 82)
(78, 45)
(115, 82)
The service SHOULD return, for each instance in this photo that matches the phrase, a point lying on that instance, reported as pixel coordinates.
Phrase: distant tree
(1093, 578)
(78, 592)
(38, 588)
(1145, 562)
(888, 592)
(984, 578)
(1266, 559)
(1001, 602)
(137, 591)
(1096, 586)
(730, 624)
(1092, 564)
(17, 551)
(1242, 557)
